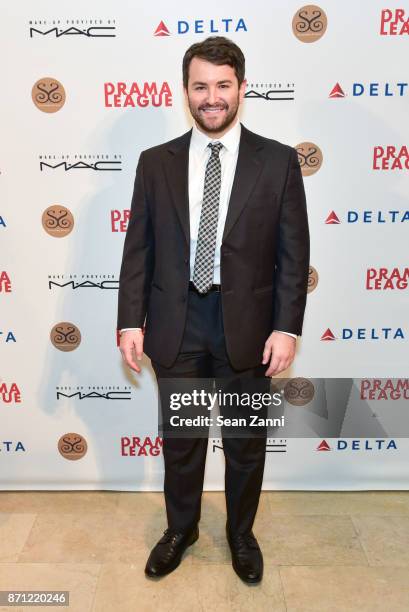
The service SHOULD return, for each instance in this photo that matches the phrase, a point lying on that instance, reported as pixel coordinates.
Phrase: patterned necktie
(206, 240)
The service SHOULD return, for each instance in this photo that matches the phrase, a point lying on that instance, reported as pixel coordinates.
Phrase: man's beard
(228, 120)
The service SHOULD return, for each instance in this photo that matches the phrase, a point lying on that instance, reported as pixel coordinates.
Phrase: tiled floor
(323, 551)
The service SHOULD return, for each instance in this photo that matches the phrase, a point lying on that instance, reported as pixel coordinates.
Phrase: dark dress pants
(203, 354)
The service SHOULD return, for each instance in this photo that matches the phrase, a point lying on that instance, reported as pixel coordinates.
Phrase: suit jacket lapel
(248, 168)
(177, 175)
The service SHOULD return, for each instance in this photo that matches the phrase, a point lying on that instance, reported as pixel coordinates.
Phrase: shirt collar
(230, 139)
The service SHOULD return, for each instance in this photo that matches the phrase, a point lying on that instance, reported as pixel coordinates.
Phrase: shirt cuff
(288, 333)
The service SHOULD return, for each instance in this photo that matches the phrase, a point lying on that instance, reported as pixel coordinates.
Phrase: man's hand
(279, 349)
(131, 345)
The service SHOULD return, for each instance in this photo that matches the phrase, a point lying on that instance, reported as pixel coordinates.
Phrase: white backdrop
(71, 415)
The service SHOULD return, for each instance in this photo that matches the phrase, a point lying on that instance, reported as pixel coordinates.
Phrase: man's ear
(242, 89)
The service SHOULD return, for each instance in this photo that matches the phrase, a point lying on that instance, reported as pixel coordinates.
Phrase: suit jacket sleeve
(293, 253)
(137, 259)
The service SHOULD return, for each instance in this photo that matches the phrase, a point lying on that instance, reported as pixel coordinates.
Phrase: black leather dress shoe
(167, 554)
(246, 556)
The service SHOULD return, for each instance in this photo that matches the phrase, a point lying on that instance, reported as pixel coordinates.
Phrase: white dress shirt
(199, 154)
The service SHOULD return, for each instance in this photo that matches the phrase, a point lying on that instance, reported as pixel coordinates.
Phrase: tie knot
(215, 147)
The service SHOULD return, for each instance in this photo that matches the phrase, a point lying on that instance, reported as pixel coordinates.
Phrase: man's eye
(200, 87)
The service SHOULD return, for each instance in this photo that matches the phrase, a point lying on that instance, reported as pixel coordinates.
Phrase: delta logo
(359, 444)
(382, 279)
(390, 158)
(120, 219)
(200, 26)
(374, 89)
(10, 394)
(5, 282)
(394, 22)
(368, 216)
(122, 95)
(384, 389)
(136, 446)
(364, 333)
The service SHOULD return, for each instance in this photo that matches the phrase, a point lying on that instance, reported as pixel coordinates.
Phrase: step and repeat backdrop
(86, 88)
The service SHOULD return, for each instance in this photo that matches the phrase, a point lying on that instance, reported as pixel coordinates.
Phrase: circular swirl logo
(65, 336)
(48, 95)
(72, 446)
(309, 23)
(57, 221)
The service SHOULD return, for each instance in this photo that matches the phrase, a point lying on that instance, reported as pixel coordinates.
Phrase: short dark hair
(217, 50)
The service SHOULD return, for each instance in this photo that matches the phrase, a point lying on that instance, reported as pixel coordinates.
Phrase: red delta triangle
(161, 30)
(337, 92)
(328, 335)
(323, 446)
(332, 218)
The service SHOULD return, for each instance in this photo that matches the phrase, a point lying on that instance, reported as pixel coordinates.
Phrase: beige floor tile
(79, 579)
(14, 530)
(143, 504)
(125, 588)
(221, 589)
(88, 538)
(206, 588)
(385, 539)
(58, 501)
(309, 540)
(345, 589)
(210, 550)
(346, 502)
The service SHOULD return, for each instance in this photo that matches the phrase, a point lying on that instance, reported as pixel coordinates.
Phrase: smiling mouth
(212, 110)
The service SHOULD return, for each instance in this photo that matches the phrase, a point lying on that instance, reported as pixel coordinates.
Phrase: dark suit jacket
(264, 252)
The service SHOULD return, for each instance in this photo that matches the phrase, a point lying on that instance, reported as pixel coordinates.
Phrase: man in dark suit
(213, 283)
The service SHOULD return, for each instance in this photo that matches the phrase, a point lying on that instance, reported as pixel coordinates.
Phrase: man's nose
(212, 97)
